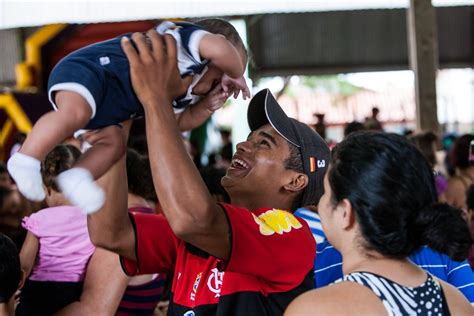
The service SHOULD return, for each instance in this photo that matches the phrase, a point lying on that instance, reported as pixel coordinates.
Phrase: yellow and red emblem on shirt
(276, 221)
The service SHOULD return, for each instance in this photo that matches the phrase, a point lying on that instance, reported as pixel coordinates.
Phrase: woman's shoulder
(343, 298)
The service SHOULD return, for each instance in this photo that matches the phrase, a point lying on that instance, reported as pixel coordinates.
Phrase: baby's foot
(26, 171)
(78, 186)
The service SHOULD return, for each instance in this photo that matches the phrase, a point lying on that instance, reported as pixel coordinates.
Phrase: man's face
(258, 166)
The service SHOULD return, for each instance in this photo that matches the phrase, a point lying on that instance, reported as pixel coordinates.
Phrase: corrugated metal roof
(351, 41)
(10, 54)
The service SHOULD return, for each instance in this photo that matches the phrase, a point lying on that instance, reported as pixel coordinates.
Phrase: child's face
(213, 77)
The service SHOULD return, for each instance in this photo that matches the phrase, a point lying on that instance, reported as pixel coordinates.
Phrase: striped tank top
(426, 299)
(142, 299)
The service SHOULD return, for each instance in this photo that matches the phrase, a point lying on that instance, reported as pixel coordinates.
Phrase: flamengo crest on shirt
(214, 282)
(276, 221)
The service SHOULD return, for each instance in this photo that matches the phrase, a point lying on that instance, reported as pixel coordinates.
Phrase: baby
(90, 89)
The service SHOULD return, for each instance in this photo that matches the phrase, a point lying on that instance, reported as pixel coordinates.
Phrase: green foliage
(335, 84)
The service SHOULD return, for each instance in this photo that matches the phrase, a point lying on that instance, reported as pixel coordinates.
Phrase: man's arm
(189, 208)
(111, 227)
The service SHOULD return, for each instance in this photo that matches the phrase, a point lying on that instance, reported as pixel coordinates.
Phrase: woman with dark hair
(427, 145)
(464, 168)
(379, 207)
(57, 247)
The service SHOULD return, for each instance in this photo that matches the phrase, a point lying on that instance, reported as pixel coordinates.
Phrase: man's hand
(154, 70)
(235, 86)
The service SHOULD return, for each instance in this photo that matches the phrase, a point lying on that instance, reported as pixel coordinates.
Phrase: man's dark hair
(294, 162)
(10, 269)
(223, 27)
(353, 127)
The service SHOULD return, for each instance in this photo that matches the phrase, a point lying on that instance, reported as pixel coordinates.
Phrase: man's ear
(298, 182)
(347, 214)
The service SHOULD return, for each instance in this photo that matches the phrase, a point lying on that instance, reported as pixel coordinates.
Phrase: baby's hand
(216, 98)
(235, 85)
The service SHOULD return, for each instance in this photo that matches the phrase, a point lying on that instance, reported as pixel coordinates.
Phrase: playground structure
(20, 109)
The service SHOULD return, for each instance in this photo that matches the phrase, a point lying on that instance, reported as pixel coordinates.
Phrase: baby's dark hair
(10, 269)
(223, 27)
(60, 159)
(392, 191)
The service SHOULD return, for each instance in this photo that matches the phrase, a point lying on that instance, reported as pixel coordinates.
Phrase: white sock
(78, 186)
(26, 171)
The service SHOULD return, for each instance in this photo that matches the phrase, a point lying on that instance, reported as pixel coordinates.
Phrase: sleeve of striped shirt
(461, 276)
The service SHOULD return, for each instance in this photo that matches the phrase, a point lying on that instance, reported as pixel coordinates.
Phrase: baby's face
(212, 77)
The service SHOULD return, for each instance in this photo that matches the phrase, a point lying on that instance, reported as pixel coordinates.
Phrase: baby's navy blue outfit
(100, 73)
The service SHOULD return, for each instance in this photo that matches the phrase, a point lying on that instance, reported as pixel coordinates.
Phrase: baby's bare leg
(51, 129)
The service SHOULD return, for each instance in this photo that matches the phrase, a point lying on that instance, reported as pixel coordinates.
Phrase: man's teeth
(240, 163)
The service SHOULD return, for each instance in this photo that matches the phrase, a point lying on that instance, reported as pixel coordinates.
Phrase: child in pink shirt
(57, 248)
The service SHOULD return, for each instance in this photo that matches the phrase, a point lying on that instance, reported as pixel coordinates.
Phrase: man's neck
(256, 204)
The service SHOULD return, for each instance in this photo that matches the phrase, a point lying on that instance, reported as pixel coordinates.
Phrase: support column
(423, 55)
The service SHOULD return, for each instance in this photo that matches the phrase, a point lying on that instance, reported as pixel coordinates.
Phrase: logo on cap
(315, 164)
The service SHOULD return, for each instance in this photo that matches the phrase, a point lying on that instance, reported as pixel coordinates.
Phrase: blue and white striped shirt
(314, 223)
(328, 268)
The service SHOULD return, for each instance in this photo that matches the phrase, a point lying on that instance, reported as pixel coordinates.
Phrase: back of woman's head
(391, 188)
(60, 159)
